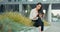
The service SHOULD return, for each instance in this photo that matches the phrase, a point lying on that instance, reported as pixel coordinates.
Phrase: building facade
(24, 6)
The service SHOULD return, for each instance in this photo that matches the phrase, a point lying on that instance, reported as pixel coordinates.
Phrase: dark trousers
(38, 23)
(42, 26)
(41, 23)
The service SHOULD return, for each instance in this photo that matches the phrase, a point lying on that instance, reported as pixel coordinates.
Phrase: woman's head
(38, 6)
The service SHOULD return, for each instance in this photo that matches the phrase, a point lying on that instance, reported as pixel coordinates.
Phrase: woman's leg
(39, 28)
(41, 23)
(42, 26)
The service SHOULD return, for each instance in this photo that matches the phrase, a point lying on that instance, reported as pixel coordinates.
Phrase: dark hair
(41, 9)
(38, 3)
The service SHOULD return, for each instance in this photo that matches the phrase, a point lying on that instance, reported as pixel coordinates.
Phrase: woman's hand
(40, 15)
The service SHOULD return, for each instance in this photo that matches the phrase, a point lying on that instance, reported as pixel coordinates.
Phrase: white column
(20, 8)
(49, 13)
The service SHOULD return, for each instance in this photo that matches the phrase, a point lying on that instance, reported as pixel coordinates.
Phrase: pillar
(49, 12)
(20, 8)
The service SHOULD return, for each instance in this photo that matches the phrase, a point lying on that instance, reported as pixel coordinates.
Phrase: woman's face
(38, 6)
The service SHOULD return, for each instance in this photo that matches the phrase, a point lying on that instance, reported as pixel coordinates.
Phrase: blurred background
(51, 8)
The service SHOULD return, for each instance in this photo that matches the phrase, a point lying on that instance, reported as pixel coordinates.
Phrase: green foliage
(14, 22)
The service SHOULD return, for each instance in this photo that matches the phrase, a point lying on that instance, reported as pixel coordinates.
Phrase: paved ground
(55, 27)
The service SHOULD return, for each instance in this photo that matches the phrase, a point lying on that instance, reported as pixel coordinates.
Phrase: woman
(40, 20)
(36, 17)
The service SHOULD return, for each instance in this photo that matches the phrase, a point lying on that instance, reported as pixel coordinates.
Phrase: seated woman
(35, 16)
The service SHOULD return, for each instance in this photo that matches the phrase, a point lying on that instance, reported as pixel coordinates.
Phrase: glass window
(19, 0)
(9, 0)
(15, 0)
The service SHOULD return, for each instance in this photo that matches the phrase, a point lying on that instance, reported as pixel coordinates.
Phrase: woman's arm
(40, 15)
(33, 15)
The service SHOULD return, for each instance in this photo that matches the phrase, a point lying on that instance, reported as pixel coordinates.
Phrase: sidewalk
(55, 27)
(34, 29)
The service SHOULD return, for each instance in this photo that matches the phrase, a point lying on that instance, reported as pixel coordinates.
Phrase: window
(9, 0)
(15, 0)
(19, 0)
